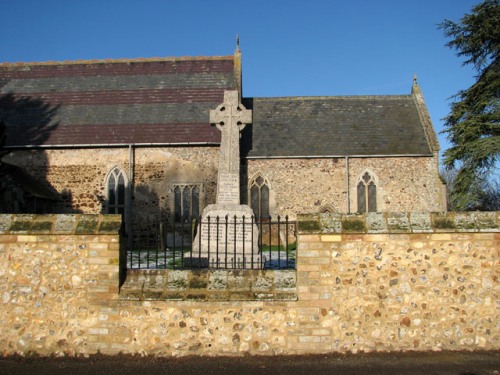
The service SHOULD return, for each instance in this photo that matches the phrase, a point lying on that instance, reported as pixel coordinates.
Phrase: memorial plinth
(227, 236)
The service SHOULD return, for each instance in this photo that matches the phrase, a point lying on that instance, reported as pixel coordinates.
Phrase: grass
(281, 248)
(269, 249)
(144, 258)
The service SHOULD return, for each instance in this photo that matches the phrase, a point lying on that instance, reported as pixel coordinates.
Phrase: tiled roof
(114, 101)
(334, 126)
(167, 101)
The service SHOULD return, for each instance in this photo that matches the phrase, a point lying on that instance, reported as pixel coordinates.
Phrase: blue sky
(290, 48)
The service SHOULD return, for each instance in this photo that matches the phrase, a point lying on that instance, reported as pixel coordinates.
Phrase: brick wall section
(391, 281)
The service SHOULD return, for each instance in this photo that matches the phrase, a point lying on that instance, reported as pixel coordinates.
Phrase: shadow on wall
(148, 219)
(65, 203)
(146, 204)
(26, 121)
(141, 210)
(246, 147)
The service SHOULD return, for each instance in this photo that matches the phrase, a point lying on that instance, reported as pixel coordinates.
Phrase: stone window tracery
(259, 196)
(327, 209)
(116, 186)
(367, 193)
(186, 201)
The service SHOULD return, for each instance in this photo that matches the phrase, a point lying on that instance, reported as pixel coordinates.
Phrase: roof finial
(238, 43)
(414, 79)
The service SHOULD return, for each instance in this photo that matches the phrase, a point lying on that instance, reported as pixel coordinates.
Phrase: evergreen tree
(473, 125)
(3, 136)
(2, 166)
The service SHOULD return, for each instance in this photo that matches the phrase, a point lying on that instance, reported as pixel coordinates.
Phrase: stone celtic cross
(239, 233)
(230, 117)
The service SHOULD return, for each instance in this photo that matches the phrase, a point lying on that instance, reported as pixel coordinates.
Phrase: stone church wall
(375, 282)
(310, 185)
(79, 175)
(296, 185)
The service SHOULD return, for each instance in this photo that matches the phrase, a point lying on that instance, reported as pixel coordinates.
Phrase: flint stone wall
(296, 185)
(311, 185)
(376, 282)
(79, 175)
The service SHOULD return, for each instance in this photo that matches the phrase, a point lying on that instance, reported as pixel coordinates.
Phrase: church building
(134, 137)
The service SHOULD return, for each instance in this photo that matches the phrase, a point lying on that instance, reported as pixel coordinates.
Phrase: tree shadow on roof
(28, 120)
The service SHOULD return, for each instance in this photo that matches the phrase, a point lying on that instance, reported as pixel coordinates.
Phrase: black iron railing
(215, 242)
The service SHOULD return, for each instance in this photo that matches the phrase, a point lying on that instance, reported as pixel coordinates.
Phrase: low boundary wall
(375, 282)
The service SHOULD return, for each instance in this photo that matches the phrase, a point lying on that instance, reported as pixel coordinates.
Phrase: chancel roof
(337, 126)
(139, 101)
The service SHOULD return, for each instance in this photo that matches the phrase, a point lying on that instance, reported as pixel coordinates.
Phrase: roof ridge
(390, 96)
(116, 61)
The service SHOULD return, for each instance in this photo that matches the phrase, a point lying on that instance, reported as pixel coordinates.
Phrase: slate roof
(138, 101)
(167, 101)
(336, 126)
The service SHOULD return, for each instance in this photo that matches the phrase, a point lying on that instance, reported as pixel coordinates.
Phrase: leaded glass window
(186, 202)
(259, 197)
(116, 192)
(367, 193)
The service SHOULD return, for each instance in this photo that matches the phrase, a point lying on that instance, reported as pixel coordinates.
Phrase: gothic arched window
(259, 197)
(115, 188)
(327, 209)
(367, 193)
(186, 202)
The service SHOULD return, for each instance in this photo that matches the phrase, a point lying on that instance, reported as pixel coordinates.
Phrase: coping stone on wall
(487, 221)
(420, 222)
(59, 224)
(65, 224)
(376, 223)
(330, 222)
(399, 222)
(5, 222)
(21, 224)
